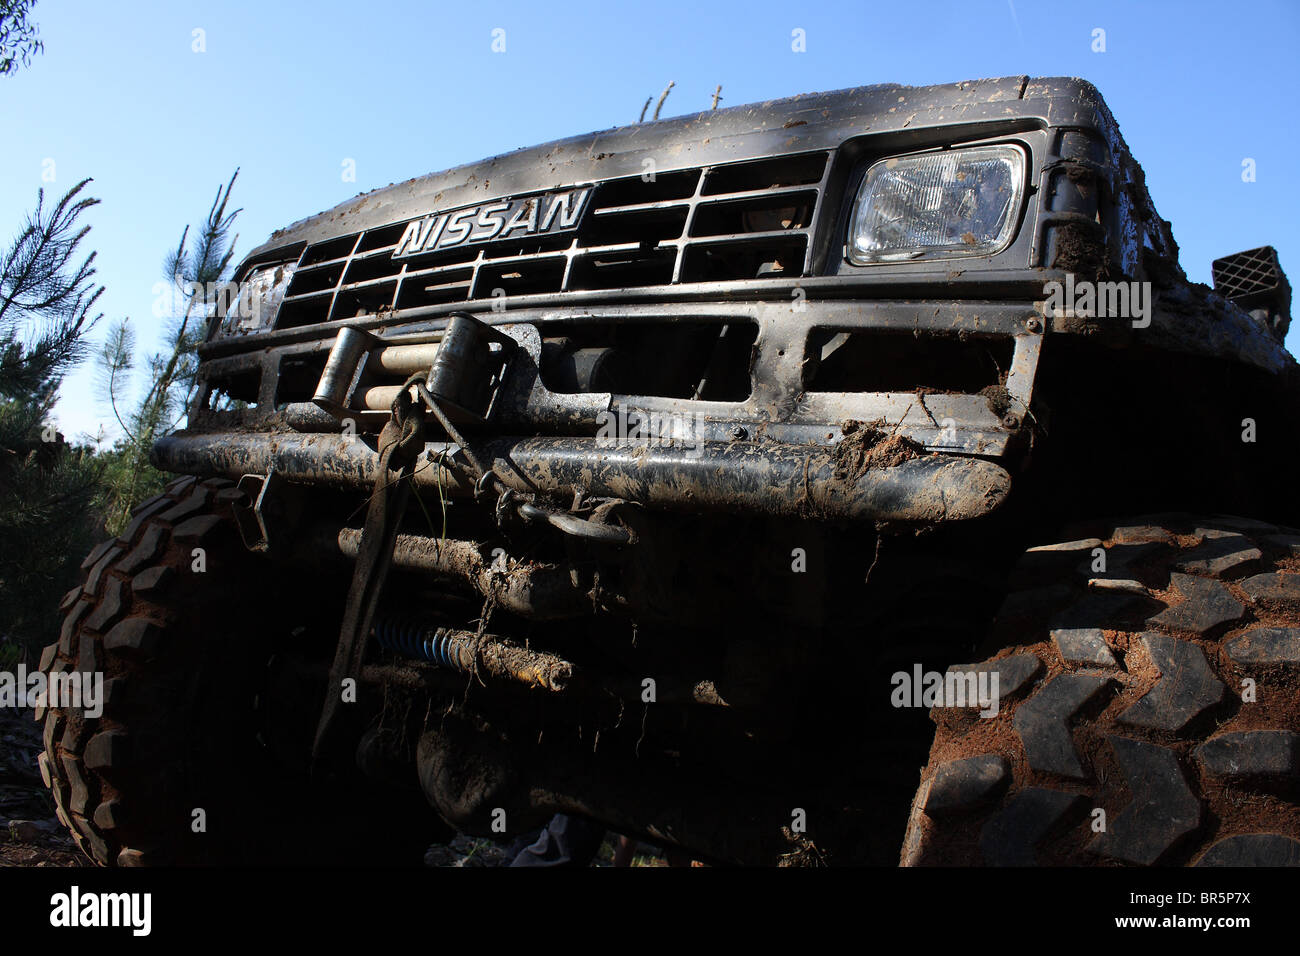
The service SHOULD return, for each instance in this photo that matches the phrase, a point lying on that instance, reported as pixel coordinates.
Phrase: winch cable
(400, 443)
(479, 473)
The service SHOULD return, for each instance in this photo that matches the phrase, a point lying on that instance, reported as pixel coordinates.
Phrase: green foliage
(46, 485)
(44, 295)
(57, 500)
(18, 40)
(11, 655)
(46, 527)
(129, 478)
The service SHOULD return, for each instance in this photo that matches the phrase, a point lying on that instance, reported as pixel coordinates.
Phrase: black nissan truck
(847, 478)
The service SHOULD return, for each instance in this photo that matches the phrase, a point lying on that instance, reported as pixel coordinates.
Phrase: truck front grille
(750, 220)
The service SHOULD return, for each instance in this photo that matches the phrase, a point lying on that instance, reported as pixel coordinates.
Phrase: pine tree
(46, 485)
(129, 477)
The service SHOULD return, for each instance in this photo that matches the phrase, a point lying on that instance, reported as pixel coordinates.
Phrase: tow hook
(577, 527)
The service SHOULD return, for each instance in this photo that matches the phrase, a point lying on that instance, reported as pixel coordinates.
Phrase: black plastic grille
(738, 221)
(1246, 273)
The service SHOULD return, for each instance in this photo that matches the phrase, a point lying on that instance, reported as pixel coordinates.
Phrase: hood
(793, 124)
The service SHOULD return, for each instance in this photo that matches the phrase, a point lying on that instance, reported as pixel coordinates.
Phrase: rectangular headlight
(256, 300)
(961, 202)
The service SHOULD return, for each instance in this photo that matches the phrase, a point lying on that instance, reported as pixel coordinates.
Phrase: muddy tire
(1149, 710)
(184, 728)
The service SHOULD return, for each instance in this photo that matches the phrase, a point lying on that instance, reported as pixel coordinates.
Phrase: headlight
(258, 300)
(957, 203)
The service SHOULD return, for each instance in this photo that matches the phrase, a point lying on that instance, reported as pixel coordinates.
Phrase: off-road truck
(681, 476)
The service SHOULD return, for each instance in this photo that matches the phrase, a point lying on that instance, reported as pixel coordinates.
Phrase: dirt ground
(31, 836)
(467, 851)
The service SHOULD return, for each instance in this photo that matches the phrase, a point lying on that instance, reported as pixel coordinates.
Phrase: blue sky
(289, 92)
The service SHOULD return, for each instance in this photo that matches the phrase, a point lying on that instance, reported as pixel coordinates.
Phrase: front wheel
(196, 751)
(1148, 712)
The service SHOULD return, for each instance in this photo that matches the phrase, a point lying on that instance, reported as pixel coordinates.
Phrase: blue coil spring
(417, 640)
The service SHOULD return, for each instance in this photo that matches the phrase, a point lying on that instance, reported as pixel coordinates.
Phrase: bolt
(1034, 325)
(1011, 422)
(737, 431)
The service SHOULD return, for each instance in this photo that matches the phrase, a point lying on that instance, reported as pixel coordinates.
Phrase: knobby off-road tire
(1125, 732)
(184, 655)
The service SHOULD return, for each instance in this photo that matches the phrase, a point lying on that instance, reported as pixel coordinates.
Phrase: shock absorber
(441, 646)
(466, 651)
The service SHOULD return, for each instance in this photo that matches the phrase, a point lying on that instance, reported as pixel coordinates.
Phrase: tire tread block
(152, 580)
(79, 791)
(91, 587)
(1011, 837)
(1253, 849)
(1014, 672)
(137, 634)
(1274, 589)
(190, 505)
(967, 783)
(1187, 687)
(1083, 645)
(1218, 556)
(1266, 645)
(1252, 753)
(1207, 604)
(1163, 808)
(141, 515)
(108, 749)
(1043, 722)
(110, 606)
(150, 546)
(195, 529)
(71, 623)
(96, 553)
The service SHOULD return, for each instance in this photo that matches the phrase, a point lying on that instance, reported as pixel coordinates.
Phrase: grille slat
(642, 207)
(737, 221)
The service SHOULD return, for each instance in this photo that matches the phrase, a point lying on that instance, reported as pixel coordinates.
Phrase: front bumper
(738, 477)
(771, 453)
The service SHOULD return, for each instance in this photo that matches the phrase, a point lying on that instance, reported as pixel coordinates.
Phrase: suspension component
(468, 652)
(435, 645)
(534, 590)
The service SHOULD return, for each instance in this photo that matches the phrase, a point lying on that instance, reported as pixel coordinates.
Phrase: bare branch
(663, 96)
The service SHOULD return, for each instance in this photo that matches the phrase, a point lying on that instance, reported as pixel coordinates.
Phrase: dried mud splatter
(865, 447)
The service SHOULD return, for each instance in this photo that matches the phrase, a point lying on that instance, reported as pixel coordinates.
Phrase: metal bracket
(250, 520)
(466, 367)
(470, 368)
(343, 370)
